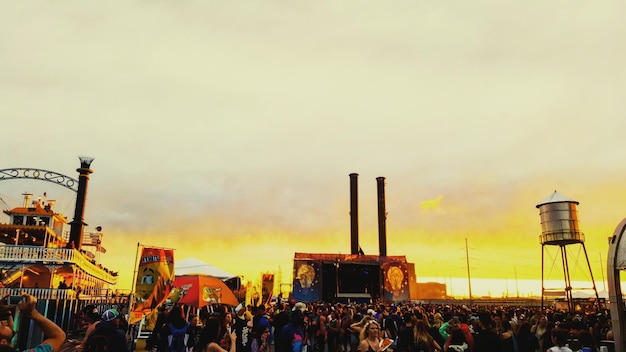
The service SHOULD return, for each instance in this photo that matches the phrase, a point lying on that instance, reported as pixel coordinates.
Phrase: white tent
(193, 266)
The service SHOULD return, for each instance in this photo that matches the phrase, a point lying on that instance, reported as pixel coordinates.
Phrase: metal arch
(615, 264)
(39, 174)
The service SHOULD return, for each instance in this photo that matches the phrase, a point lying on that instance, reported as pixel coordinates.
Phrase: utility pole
(469, 280)
(516, 286)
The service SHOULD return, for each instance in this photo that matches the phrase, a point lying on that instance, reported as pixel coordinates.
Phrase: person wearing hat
(241, 329)
(280, 317)
(299, 306)
(89, 316)
(106, 331)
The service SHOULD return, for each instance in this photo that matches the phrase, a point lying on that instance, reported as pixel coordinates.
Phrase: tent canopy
(202, 290)
(194, 266)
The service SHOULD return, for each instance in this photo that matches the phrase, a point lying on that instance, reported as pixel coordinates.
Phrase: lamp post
(336, 279)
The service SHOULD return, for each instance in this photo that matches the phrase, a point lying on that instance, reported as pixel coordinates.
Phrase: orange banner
(155, 275)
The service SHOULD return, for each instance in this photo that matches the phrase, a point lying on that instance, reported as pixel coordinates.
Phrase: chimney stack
(382, 217)
(354, 214)
(77, 226)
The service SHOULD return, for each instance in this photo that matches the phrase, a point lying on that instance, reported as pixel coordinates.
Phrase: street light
(336, 278)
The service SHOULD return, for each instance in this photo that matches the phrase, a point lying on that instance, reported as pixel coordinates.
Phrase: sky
(227, 130)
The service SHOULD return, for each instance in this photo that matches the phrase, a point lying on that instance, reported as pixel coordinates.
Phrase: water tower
(559, 227)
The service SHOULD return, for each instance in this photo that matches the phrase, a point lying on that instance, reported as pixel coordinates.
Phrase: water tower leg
(543, 288)
(593, 281)
(568, 281)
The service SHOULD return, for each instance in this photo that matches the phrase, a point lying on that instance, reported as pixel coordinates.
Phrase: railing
(44, 255)
(60, 306)
(39, 293)
(566, 236)
(91, 294)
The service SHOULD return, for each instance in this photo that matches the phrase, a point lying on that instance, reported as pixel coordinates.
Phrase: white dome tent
(194, 266)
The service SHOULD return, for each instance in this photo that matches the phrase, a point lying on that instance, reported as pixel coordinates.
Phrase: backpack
(106, 337)
(314, 322)
(390, 325)
(296, 343)
(177, 339)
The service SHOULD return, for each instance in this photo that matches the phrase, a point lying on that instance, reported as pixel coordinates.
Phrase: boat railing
(90, 294)
(45, 255)
(39, 293)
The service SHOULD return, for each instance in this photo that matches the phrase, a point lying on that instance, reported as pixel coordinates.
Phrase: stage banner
(155, 275)
(267, 288)
(306, 280)
(396, 281)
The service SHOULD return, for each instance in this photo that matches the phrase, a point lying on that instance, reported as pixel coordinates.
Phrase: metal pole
(516, 286)
(132, 290)
(593, 281)
(469, 280)
(602, 272)
(542, 275)
(568, 282)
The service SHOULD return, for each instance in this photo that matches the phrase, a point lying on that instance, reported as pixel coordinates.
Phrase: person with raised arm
(55, 336)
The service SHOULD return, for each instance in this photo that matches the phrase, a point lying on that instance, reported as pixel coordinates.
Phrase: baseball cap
(110, 314)
(91, 311)
(299, 306)
(239, 308)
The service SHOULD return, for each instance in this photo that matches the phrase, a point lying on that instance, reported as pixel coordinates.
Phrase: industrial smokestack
(354, 214)
(77, 225)
(382, 217)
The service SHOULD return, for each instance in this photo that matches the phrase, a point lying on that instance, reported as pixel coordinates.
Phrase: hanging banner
(396, 285)
(155, 275)
(306, 280)
(267, 288)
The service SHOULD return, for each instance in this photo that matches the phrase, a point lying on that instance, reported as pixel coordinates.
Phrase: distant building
(429, 290)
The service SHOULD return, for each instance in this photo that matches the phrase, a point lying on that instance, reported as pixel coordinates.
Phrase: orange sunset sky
(227, 130)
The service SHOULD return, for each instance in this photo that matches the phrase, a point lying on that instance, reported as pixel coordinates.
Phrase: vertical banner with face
(267, 288)
(396, 285)
(306, 280)
(155, 275)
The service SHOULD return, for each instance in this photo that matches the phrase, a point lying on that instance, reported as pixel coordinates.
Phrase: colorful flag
(155, 275)
(267, 288)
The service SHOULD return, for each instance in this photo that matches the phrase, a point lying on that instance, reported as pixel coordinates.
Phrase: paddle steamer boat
(44, 255)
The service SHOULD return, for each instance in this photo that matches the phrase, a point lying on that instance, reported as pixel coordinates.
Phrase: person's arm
(254, 346)
(443, 330)
(363, 346)
(214, 347)
(355, 327)
(436, 346)
(55, 335)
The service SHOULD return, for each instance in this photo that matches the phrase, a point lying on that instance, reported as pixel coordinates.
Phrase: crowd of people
(320, 327)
